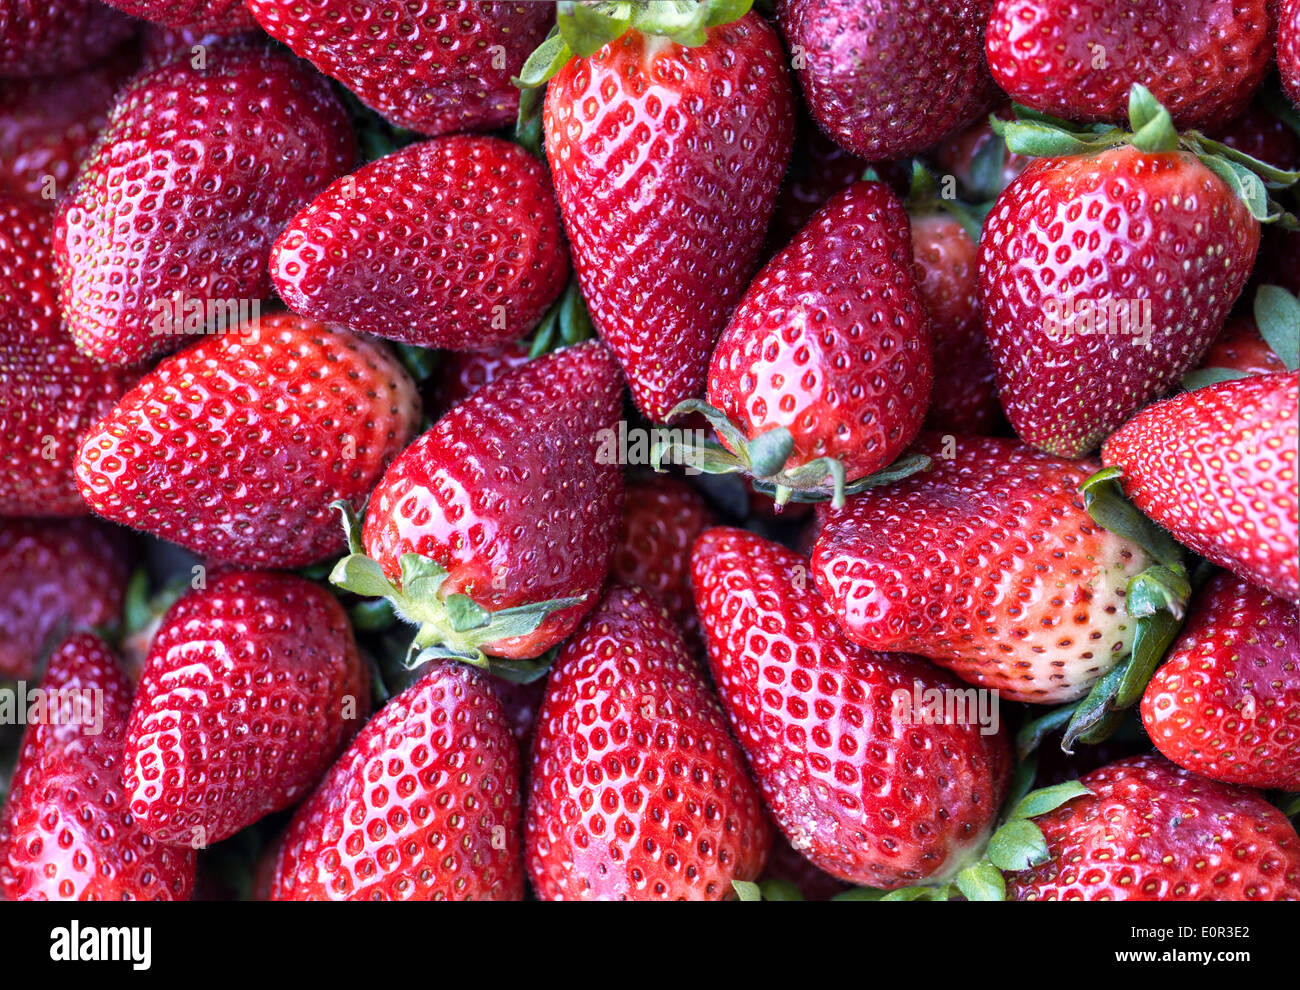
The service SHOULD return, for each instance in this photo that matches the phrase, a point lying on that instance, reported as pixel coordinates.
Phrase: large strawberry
(453, 243)
(890, 78)
(66, 832)
(192, 179)
(1217, 468)
(1288, 47)
(236, 446)
(1203, 59)
(637, 790)
(666, 155)
(44, 37)
(225, 16)
(858, 778)
(423, 806)
(252, 686)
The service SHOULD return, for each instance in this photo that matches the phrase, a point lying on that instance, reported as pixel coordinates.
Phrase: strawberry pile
(649, 450)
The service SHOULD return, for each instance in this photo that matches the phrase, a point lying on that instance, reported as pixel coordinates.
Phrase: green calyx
(450, 626)
(1151, 130)
(567, 322)
(1277, 317)
(766, 458)
(766, 890)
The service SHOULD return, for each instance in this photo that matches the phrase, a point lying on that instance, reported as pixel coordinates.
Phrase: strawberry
(252, 686)
(194, 175)
(1217, 468)
(29, 307)
(159, 44)
(666, 159)
(424, 805)
(1241, 348)
(224, 16)
(520, 703)
(237, 446)
(979, 159)
(861, 788)
(1263, 135)
(893, 77)
(1226, 703)
(66, 833)
(818, 170)
(460, 375)
(637, 791)
(54, 577)
(1202, 59)
(45, 37)
(432, 66)
(453, 243)
(1288, 47)
(1151, 831)
(785, 866)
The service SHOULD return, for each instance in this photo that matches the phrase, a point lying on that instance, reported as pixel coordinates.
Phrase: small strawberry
(453, 243)
(637, 791)
(46, 37)
(1288, 47)
(423, 806)
(224, 16)
(237, 446)
(460, 374)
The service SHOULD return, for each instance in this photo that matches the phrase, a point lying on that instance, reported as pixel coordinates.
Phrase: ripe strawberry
(453, 243)
(861, 788)
(194, 175)
(979, 159)
(1240, 347)
(1226, 703)
(1263, 135)
(159, 44)
(1217, 468)
(1151, 831)
(1288, 47)
(423, 806)
(55, 577)
(460, 374)
(224, 16)
(637, 791)
(432, 66)
(1202, 59)
(45, 37)
(29, 307)
(237, 446)
(66, 833)
(666, 161)
(890, 78)
(818, 170)
(987, 564)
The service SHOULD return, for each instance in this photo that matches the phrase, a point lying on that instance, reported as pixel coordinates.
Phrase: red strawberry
(637, 791)
(66, 833)
(54, 577)
(1217, 468)
(29, 307)
(237, 446)
(819, 169)
(225, 16)
(44, 37)
(453, 243)
(1226, 703)
(431, 66)
(1241, 347)
(1203, 59)
(893, 77)
(460, 375)
(979, 159)
(861, 788)
(1151, 831)
(987, 564)
(177, 207)
(666, 161)
(159, 44)
(1263, 135)
(1288, 47)
(520, 703)
(423, 806)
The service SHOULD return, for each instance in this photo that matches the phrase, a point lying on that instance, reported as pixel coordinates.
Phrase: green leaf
(1104, 499)
(1277, 315)
(547, 59)
(1155, 634)
(1153, 128)
(720, 12)
(465, 613)
(746, 890)
(1017, 845)
(360, 575)
(1158, 589)
(988, 167)
(587, 29)
(863, 894)
(769, 451)
(136, 611)
(1022, 779)
(1210, 376)
(1046, 799)
(781, 890)
(372, 615)
(575, 321)
(1034, 732)
(351, 525)
(422, 577)
(1095, 707)
(981, 882)
(522, 671)
(1245, 185)
(419, 361)
(520, 620)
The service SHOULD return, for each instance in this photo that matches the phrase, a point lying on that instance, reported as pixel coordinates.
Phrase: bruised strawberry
(44, 37)
(224, 16)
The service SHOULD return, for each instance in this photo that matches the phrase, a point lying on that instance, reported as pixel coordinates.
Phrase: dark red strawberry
(460, 375)
(1203, 59)
(1151, 831)
(66, 833)
(177, 206)
(44, 37)
(237, 446)
(666, 161)
(29, 306)
(159, 44)
(1263, 135)
(1217, 468)
(818, 170)
(893, 77)
(423, 806)
(224, 16)
(979, 159)
(56, 577)
(1288, 47)
(453, 243)
(860, 782)
(520, 703)
(1226, 703)
(637, 790)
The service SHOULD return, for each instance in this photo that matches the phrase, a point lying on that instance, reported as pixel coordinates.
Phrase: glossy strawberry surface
(226, 16)
(460, 374)
(1288, 47)
(1241, 347)
(44, 37)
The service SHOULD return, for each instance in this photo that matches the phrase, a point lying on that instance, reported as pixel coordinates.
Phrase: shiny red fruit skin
(831, 340)
(1241, 347)
(423, 806)
(637, 790)
(856, 787)
(1151, 831)
(1262, 134)
(1226, 701)
(1217, 468)
(194, 176)
(225, 16)
(66, 833)
(460, 374)
(890, 78)
(252, 687)
(29, 305)
(454, 243)
(433, 67)
(236, 447)
(1121, 228)
(666, 162)
(507, 494)
(819, 168)
(1078, 59)
(1288, 47)
(45, 37)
